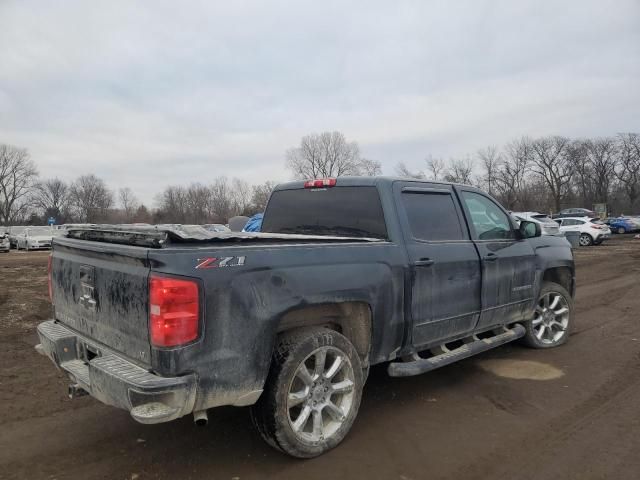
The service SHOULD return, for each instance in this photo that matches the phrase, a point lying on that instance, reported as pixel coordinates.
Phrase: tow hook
(76, 391)
(200, 418)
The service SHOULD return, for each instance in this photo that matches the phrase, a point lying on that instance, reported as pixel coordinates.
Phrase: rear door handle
(491, 257)
(423, 262)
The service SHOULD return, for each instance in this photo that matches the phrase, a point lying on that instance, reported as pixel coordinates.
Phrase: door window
(570, 222)
(489, 221)
(432, 216)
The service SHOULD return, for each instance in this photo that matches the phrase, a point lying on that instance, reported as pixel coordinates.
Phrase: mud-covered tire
(557, 326)
(272, 414)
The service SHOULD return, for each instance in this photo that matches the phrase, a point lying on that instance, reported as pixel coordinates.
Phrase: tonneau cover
(156, 236)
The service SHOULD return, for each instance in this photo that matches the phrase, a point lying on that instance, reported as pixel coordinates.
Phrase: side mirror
(529, 229)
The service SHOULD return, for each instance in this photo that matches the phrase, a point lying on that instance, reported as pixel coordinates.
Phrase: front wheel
(586, 240)
(552, 318)
(312, 394)
(621, 230)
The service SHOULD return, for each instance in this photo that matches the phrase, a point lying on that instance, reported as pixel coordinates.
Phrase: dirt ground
(512, 413)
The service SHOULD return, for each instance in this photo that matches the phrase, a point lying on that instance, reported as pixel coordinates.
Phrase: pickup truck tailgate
(101, 291)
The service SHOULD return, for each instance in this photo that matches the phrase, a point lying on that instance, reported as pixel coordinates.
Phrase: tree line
(544, 174)
(25, 198)
(549, 173)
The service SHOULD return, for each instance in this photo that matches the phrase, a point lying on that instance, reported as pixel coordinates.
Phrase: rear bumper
(40, 246)
(113, 380)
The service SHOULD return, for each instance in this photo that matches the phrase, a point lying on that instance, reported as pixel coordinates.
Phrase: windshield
(35, 231)
(544, 219)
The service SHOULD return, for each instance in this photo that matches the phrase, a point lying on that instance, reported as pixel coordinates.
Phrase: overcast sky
(147, 94)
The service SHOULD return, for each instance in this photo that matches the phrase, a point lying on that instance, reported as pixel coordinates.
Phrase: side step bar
(472, 346)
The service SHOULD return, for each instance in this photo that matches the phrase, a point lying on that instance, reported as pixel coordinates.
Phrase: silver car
(14, 232)
(35, 238)
(5, 246)
(547, 225)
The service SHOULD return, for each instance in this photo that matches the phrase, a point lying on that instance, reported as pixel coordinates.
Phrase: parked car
(5, 245)
(547, 225)
(35, 238)
(345, 274)
(14, 231)
(575, 212)
(592, 230)
(622, 225)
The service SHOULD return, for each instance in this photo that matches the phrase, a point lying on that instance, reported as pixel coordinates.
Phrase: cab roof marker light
(320, 183)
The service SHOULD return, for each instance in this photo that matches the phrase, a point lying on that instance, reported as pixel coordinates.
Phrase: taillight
(173, 311)
(320, 183)
(599, 227)
(49, 264)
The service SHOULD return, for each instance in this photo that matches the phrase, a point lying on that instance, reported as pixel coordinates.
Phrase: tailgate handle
(423, 262)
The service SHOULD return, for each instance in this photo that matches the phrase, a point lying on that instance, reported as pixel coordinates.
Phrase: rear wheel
(312, 394)
(586, 240)
(621, 230)
(552, 318)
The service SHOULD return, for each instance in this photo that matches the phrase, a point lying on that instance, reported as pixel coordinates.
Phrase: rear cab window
(349, 211)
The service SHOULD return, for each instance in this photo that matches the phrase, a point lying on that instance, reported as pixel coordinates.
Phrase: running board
(472, 346)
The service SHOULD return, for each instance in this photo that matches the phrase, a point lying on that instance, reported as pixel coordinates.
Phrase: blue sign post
(51, 221)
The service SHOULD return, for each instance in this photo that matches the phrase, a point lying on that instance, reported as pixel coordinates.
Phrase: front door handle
(423, 262)
(491, 257)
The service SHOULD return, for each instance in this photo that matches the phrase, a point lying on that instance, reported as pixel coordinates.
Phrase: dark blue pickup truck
(347, 273)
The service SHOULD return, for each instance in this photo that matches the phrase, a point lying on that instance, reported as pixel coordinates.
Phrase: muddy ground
(513, 413)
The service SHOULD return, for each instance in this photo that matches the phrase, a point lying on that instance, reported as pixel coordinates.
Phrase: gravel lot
(513, 413)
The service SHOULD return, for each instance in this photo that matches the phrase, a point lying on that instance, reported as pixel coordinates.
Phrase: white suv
(592, 230)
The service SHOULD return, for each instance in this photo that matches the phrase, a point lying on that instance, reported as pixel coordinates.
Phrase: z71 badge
(215, 262)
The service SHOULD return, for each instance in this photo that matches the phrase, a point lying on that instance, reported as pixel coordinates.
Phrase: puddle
(520, 369)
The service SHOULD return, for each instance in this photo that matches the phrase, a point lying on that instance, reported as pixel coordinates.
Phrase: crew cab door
(508, 262)
(444, 276)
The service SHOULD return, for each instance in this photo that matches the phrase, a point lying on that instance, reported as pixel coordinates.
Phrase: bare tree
(583, 181)
(128, 202)
(222, 202)
(52, 198)
(490, 158)
(551, 161)
(325, 155)
(370, 168)
(90, 198)
(143, 215)
(260, 195)
(241, 195)
(436, 168)
(197, 204)
(460, 171)
(403, 171)
(601, 154)
(512, 172)
(18, 176)
(628, 172)
(172, 205)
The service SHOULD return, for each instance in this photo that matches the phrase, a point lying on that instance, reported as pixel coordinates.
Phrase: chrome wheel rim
(584, 240)
(321, 394)
(551, 318)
